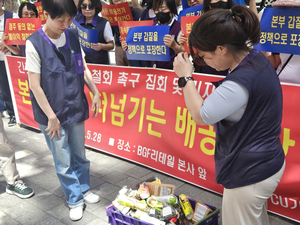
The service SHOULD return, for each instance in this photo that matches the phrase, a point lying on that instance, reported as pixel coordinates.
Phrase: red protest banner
(39, 8)
(186, 28)
(125, 25)
(18, 30)
(138, 122)
(115, 13)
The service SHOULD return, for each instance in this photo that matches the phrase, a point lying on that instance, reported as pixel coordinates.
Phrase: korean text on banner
(115, 13)
(192, 11)
(125, 25)
(147, 43)
(138, 122)
(87, 37)
(18, 30)
(39, 8)
(280, 31)
(186, 28)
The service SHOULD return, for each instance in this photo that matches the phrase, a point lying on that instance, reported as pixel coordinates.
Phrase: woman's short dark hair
(237, 29)
(206, 5)
(30, 7)
(57, 8)
(170, 4)
(96, 3)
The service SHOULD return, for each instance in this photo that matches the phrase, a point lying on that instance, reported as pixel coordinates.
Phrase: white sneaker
(76, 213)
(91, 198)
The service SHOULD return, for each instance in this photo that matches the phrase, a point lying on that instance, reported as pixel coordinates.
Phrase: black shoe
(12, 121)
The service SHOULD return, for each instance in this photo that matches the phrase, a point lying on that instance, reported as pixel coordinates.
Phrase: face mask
(220, 5)
(163, 17)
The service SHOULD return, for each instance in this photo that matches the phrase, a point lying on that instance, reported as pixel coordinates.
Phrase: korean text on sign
(186, 28)
(125, 25)
(280, 31)
(39, 8)
(115, 13)
(192, 11)
(147, 43)
(18, 30)
(86, 37)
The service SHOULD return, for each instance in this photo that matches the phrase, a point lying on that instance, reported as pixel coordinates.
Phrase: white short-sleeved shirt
(2, 31)
(33, 61)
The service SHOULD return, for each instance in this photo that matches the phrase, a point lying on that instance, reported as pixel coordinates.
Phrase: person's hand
(169, 41)
(4, 37)
(53, 127)
(2, 46)
(182, 66)
(182, 39)
(95, 105)
(96, 47)
(5, 50)
(123, 44)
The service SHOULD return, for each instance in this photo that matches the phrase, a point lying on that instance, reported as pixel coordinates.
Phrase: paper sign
(115, 13)
(125, 25)
(186, 28)
(18, 30)
(87, 37)
(39, 8)
(147, 43)
(192, 11)
(280, 31)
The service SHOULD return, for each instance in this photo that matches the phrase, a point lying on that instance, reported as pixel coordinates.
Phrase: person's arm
(92, 87)
(108, 37)
(184, 68)
(101, 46)
(137, 6)
(14, 49)
(252, 7)
(35, 86)
(171, 43)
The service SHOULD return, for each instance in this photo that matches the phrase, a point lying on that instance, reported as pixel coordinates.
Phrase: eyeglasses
(27, 14)
(85, 6)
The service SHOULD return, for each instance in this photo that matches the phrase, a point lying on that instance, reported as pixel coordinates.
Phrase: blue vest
(99, 57)
(250, 150)
(7, 15)
(62, 78)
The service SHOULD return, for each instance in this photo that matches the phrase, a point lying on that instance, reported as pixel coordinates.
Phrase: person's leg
(62, 159)
(14, 186)
(2, 104)
(5, 90)
(248, 205)
(79, 162)
(8, 163)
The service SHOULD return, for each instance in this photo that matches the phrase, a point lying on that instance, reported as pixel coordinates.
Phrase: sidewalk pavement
(108, 175)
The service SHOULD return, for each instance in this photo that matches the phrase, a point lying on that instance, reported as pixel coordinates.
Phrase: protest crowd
(221, 41)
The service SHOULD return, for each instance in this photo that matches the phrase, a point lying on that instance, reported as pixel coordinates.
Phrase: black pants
(4, 87)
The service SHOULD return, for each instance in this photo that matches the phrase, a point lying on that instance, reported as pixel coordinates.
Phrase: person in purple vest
(26, 10)
(4, 86)
(148, 13)
(89, 19)
(57, 73)
(245, 109)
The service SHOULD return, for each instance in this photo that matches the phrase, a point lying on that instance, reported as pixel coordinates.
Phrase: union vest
(98, 57)
(250, 150)
(62, 78)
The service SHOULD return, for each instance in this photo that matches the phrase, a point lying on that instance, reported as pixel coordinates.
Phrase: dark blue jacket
(250, 150)
(62, 78)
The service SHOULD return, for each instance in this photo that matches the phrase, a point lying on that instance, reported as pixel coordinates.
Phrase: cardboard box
(160, 189)
(201, 211)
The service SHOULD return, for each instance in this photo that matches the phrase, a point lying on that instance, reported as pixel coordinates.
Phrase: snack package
(143, 191)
